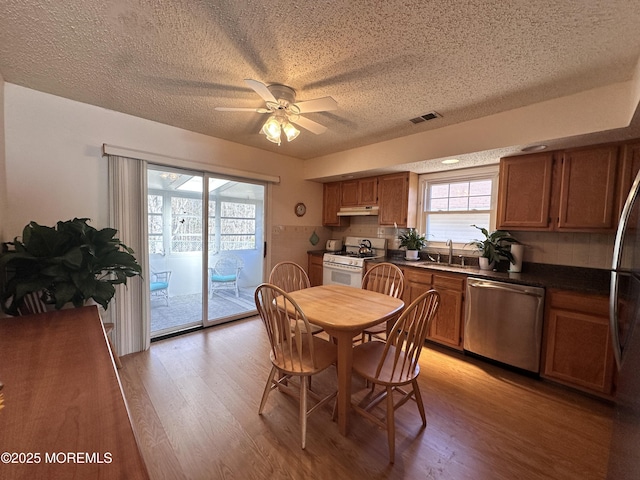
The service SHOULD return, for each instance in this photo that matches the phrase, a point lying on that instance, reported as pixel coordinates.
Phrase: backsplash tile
(591, 250)
(291, 242)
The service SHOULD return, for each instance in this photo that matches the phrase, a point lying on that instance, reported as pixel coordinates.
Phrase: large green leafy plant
(494, 245)
(69, 263)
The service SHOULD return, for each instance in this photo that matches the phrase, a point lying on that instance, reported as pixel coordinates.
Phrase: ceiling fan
(284, 111)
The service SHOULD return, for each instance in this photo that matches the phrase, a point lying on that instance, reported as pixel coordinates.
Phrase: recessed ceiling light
(534, 148)
(450, 161)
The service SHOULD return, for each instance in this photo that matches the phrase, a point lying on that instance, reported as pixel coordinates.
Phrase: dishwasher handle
(503, 288)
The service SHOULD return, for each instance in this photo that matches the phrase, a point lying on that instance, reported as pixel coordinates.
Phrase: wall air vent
(425, 117)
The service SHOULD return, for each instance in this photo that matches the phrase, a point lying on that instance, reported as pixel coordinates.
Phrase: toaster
(334, 245)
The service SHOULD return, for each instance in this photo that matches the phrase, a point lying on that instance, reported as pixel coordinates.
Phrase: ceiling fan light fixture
(290, 131)
(271, 129)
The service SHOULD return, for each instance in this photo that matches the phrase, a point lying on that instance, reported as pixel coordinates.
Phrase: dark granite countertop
(586, 280)
(580, 279)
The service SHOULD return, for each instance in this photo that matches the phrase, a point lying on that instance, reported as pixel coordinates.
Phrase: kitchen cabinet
(331, 206)
(314, 269)
(362, 192)
(577, 348)
(587, 189)
(398, 199)
(629, 169)
(416, 282)
(446, 327)
(447, 324)
(524, 192)
(570, 190)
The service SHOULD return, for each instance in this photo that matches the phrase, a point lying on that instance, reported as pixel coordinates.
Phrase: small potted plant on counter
(413, 242)
(493, 247)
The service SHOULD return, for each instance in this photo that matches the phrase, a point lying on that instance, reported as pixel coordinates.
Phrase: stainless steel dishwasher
(503, 322)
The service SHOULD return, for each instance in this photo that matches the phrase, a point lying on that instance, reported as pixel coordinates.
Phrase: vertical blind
(128, 215)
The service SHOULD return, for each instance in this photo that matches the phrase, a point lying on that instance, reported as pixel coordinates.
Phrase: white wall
(55, 169)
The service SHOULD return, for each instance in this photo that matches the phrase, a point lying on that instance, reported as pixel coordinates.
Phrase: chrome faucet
(449, 244)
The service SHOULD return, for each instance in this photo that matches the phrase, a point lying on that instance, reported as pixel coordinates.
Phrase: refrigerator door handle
(617, 259)
(613, 319)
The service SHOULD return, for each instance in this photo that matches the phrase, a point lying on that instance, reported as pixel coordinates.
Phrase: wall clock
(301, 209)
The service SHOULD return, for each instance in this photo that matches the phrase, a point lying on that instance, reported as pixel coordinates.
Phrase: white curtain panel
(128, 214)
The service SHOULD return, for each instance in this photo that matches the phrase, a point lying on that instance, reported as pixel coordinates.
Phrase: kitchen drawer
(578, 302)
(415, 275)
(451, 282)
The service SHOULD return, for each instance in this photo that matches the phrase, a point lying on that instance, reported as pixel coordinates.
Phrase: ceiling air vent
(425, 117)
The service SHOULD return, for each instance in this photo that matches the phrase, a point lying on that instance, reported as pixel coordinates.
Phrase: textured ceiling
(384, 62)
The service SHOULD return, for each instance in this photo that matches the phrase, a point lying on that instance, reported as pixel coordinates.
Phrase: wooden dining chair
(394, 365)
(32, 303)
(290, 276)
(295, 352)
(384, 278)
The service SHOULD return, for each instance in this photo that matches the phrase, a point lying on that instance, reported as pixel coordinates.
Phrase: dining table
(344, 312)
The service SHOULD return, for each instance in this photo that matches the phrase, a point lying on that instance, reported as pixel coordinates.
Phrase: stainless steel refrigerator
(624, 454)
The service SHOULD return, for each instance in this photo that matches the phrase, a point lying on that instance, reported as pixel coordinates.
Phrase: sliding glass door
(205, 248)
(235, 248)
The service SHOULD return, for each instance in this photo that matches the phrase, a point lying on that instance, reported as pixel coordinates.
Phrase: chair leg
(267, 389)
(418, 395)
(303, 409)
(391, 426)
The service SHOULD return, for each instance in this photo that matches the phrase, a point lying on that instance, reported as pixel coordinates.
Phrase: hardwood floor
(194, 401)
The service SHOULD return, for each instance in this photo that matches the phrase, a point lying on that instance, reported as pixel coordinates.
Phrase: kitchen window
(453, 201)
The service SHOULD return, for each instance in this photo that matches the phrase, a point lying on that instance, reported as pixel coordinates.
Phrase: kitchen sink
(445, 266)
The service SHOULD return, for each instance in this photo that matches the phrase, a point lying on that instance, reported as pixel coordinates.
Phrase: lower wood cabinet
(577, 348)
(314, 269)
(446, 327)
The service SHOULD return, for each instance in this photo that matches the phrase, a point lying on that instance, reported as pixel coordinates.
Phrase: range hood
(358, 211)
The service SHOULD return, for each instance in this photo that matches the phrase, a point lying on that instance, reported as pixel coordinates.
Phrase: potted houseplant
(493, 247)
(70, 263)
(413, 241)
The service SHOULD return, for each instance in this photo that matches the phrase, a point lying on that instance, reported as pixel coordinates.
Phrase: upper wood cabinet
(571, 190)
(362, 192)
(524, 193)
(587, 189)
(398, 199)
(331, 206)
(629, 167)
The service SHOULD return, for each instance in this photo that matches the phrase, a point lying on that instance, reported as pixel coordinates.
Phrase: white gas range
(347, 267)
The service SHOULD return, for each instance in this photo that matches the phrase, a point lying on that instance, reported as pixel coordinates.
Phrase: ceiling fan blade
(310, 125)
(236, 109)
(261, 89)
(323, 104)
